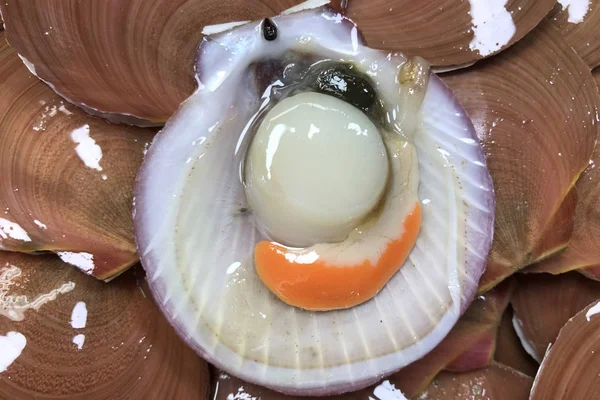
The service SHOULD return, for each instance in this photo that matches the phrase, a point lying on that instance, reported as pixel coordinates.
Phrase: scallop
(569, 369)
(317, 215)
(67, 177)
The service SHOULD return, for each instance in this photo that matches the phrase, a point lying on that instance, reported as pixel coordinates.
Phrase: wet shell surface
(65, 335)
(496, 382)
(67, 188)
(448, 33)
(128, 60)
(538, 131)
(204, 279)
(544, 303)
(67, 177)
(509, 349)
(582, 253)
(470, 345)
(579, 23)
(570, 369)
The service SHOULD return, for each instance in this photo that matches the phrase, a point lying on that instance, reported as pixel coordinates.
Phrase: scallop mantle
(217, 302)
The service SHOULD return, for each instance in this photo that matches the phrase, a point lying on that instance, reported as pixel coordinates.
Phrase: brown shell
(438, 30)
(543, 303)
(583, 36)
(122, 56)
(50, 200)
(593, 272)
(509, 350)
(129, 350)
(534, 109)
(227, 387)
(583, 252)
(496, 382)
(571, 369)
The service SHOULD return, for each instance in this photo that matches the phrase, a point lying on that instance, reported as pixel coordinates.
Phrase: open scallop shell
(84, 340)
(231, 318)
(543, 303)
(469, 345)
(538, 131)
(579, 22)
(571, 367)
(448, 32)
(67, 177)
(128, 60)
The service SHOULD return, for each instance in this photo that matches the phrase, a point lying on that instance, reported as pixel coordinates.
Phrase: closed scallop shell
(579, 22)
(510, 351)
(67, 177)
(448, 33)
(84, 340)
(128, 60)
(230, 318)
(496, 382)
(538, 131)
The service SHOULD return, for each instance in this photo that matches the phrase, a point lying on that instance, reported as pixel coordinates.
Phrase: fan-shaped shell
(470, 344)
(571, 367)
(583, 252)
(496, 382)
(447, 32)
(67, 178)
(129, 58)
(82, 339)
(543, 303)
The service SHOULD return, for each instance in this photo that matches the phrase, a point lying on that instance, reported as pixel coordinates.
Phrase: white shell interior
(197, 249)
